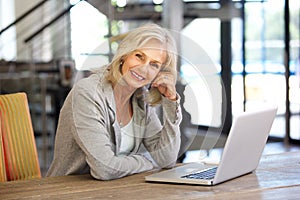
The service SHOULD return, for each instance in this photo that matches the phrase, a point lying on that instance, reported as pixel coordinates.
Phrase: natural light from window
(88, 30)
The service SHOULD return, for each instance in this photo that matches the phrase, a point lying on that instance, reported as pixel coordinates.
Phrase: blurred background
(234, 55)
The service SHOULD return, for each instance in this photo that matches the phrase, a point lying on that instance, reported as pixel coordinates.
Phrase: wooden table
(277, 177)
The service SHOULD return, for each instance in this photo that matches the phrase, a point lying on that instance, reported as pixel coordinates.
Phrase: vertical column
(287, 71)
(226, 74)
(172, 18)
(173, 14)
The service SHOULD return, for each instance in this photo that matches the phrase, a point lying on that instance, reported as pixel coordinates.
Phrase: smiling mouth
(137, 76)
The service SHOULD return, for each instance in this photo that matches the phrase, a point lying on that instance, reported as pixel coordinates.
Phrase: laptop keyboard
(206, 174)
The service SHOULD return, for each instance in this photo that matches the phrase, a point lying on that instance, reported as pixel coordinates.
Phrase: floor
(213, 156)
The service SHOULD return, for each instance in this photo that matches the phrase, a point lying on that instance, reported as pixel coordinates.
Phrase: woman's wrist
(173, 98)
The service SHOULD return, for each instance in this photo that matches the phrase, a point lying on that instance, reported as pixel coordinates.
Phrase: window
(88, 30)
(200, 68)
(264, 63)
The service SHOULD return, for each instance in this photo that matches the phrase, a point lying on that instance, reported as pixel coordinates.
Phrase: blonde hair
(136, 39)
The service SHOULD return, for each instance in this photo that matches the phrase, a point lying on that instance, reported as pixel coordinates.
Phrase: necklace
(123, 104)
(124, 114)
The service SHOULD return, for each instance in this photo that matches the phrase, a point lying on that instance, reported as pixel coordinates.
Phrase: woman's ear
(121, 65)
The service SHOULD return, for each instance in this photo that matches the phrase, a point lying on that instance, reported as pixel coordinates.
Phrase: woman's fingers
(165, 83)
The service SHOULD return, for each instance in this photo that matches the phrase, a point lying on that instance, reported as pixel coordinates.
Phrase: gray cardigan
(88, 135)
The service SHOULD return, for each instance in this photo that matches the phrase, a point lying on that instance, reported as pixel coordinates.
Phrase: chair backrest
(2, 163)
(18, 147)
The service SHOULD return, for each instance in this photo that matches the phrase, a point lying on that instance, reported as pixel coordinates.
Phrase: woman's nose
(145, 66)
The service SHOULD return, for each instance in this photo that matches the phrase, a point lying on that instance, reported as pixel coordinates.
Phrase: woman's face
(142, 66)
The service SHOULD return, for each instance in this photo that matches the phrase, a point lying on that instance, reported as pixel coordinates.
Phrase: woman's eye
(155, 65)
(139, 56)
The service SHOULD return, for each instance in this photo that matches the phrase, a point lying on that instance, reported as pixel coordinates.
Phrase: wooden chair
(18, 151)
(2, 163)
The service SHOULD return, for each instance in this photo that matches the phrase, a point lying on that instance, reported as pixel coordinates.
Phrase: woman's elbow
(167, 163)
(103, 175)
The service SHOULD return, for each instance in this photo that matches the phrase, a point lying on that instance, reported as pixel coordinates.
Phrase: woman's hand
(165, 83)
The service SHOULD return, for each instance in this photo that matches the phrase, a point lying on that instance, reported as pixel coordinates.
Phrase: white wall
(7, 50)
(52, 43)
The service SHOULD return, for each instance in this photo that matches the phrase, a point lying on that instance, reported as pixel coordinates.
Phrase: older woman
(108, 125)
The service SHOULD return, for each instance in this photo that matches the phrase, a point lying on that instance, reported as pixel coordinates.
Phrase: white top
(127, 139)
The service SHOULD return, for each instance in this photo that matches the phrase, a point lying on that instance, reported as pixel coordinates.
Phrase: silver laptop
(241, 154)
